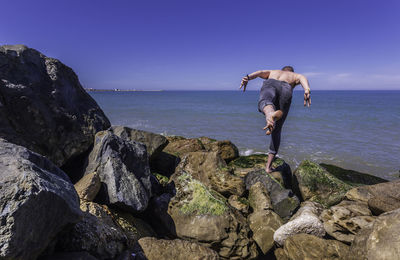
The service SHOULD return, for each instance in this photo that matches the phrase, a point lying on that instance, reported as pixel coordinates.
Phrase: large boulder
(210, 169)
(44, 94)
(345, 219)
(304, 221)
(284, 201)
(380, 240)
(96, 233)
(305, 246)
(203, 215)
(263, 221)
(155, 143)
(317, 184)
(380, 197)
(177, 249)
(37, 200)
(123, 169)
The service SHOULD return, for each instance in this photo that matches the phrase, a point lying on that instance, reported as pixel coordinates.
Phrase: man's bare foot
(274, 116)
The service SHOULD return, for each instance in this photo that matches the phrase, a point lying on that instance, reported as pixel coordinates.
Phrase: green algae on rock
(317, 184)
(201, 214)
(203, 200)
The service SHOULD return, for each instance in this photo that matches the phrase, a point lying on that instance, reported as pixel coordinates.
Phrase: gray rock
(69, 256)
(123, 168)
(46, 95)
(284, 201)
(306, 222)
(36, 200)
(155, 143)
(380, 240)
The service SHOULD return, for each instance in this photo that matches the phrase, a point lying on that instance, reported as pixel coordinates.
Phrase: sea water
(356, 130)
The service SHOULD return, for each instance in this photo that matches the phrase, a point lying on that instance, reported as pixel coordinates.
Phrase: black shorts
(277, 93)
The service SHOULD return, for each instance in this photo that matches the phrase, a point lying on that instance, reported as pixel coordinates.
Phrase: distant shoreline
(121, 90)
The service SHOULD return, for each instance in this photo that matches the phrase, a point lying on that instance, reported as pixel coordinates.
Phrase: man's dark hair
(288, 68)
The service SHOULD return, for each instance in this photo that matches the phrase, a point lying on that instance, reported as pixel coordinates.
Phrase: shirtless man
(274, 102)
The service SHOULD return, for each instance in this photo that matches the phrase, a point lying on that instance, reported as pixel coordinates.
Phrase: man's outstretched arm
(304, 83)
(264, 74)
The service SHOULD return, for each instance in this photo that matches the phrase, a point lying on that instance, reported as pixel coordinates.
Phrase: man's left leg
(275, 143)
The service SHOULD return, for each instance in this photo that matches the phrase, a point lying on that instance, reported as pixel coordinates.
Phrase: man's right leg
(271, 116)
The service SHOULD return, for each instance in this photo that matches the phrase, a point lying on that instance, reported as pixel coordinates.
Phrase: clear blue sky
(206, 44)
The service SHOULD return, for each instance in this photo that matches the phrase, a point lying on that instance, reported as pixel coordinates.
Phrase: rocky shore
(74, 187)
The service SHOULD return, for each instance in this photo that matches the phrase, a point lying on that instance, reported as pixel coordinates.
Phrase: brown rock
(239, 203)
(381, 197)
(380, 240)
(344, 220)
(179, 146)
(264, 223)
(304, 246)
(177, 249)
(259, 198)
(226, 149)
(88, 187)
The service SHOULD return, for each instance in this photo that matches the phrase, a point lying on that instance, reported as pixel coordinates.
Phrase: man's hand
(244, 83)
(307, 99)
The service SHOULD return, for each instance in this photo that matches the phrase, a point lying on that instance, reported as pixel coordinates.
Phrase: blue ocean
(356, 130)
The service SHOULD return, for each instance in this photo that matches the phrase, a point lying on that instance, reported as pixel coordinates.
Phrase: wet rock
(284, 201)
(380, 240)
(37, 200)
(345, 219)
(305, 246)
(46, 95)
(210, 169)
(245, 164)
(317, 184)
(96, 234)
(305, 221)
(351, 177)
(123, 169)
(156, 249)
(203, 215)
(88, 186)
(380, 197)
(155, 143)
